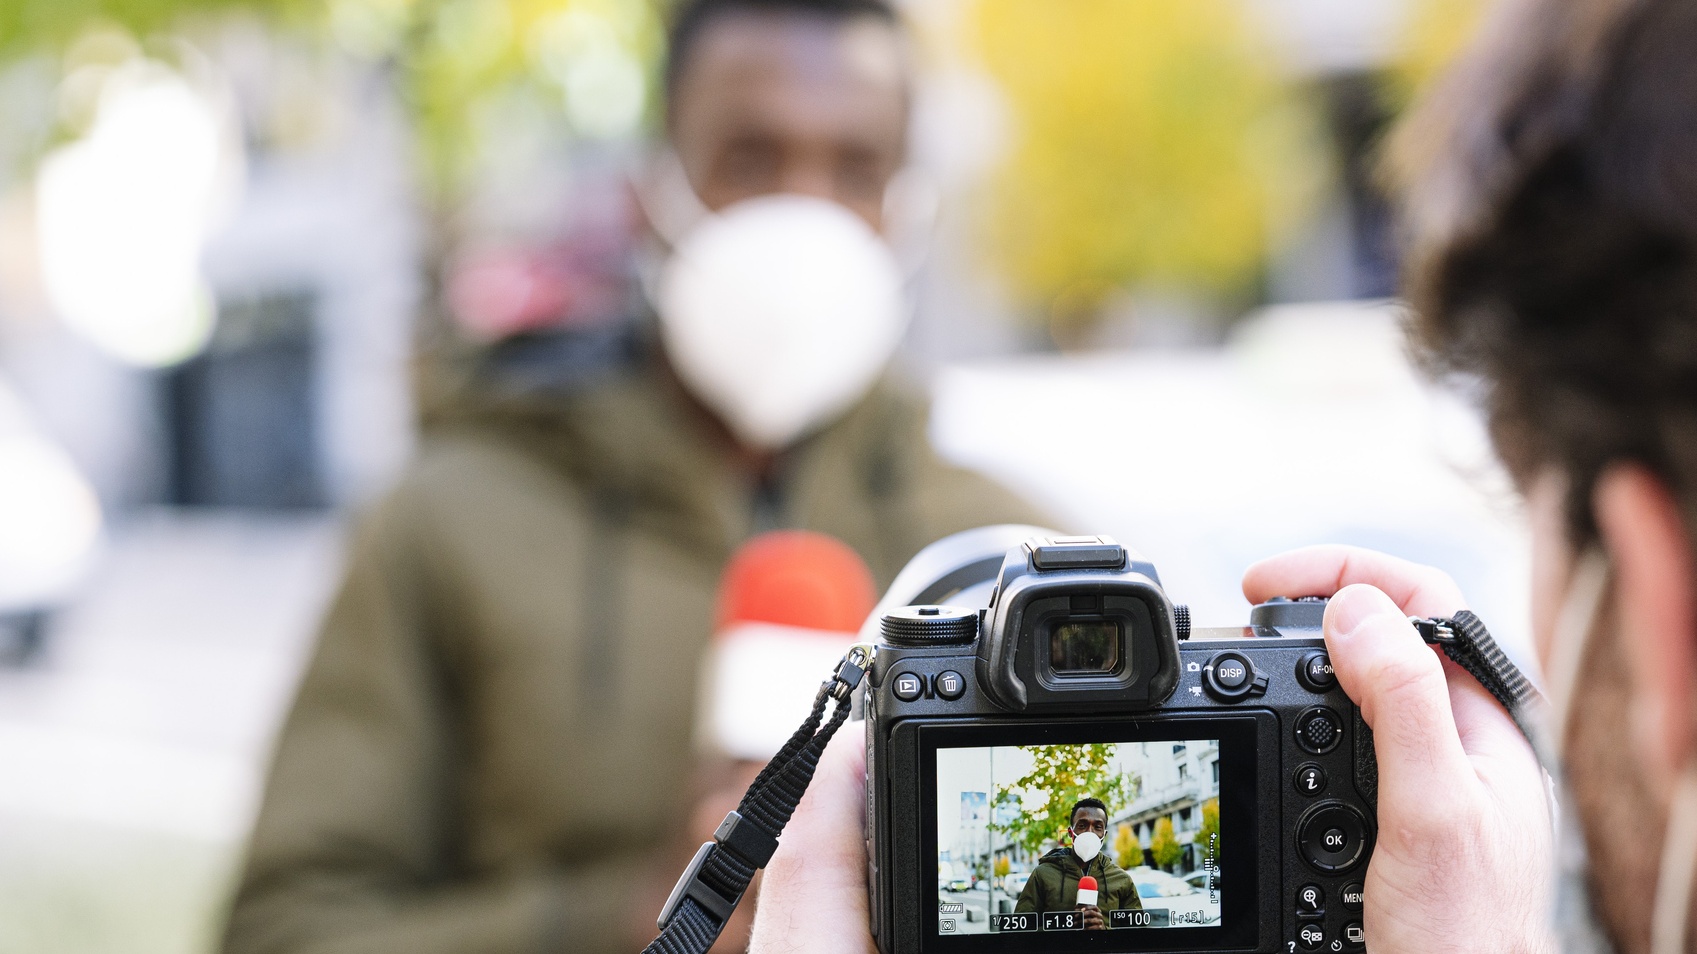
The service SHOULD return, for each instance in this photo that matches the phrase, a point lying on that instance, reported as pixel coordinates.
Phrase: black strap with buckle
(1465, 640)
(713, 884)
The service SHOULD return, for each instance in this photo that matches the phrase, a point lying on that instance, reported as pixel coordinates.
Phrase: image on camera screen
(1015, 827)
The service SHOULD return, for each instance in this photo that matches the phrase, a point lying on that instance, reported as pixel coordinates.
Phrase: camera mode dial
(930, 625)
(1230, 676)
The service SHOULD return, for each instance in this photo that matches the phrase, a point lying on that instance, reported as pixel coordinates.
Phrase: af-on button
(1315, 673)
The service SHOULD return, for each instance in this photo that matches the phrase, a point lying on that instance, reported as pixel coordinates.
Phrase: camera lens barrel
(930, 625)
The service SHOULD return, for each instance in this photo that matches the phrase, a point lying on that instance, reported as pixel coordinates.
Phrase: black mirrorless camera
(1019, 672)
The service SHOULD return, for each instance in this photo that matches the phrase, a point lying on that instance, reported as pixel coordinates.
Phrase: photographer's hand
(1463, 857)
(813, 895)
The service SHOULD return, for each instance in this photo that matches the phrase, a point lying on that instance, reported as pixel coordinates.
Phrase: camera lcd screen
(1085, 647)
(1012, 850)
(1173, 808)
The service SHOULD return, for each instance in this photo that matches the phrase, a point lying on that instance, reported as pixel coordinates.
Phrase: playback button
(908, 686)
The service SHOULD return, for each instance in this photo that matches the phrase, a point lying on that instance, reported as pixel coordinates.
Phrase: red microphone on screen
(790, 605)
(1087, 890)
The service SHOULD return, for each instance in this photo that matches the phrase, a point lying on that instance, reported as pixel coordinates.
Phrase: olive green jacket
(1053, 885)
(494, 736)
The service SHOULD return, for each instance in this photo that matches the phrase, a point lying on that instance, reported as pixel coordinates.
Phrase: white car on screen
(1014, 882)
(1183, 903)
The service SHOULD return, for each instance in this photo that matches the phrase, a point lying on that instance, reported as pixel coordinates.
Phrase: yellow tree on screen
(1153, 142)
(1128, 851)
(1208, 836)
(1164, 844)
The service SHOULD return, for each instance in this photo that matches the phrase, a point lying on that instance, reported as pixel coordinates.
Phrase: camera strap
(1465, 640)
(713, 884)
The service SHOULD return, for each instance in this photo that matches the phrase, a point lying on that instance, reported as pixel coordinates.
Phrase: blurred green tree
(456, 63)
(1002, 866)
(1061, 775)
(35, 26)
(1164, 845)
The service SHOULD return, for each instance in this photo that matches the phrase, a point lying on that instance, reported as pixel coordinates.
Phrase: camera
(1056, 761)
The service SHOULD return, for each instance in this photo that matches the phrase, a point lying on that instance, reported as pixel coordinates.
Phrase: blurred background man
(493, 739)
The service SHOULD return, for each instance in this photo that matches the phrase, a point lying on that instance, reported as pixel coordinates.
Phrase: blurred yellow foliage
(1154, 142)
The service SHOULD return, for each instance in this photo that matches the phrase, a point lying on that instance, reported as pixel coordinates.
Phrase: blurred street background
(1158, 299)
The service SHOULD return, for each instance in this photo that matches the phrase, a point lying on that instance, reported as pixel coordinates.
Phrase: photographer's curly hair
(1549, 190)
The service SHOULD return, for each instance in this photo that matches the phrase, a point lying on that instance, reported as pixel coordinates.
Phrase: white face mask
(779, 313)
(1087, 846)
(1576, 918)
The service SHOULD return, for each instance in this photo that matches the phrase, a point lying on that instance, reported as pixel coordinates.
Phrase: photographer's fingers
(1501, 755)
(1398, 682)
(1484, 726)
(817, 878)
(1323, 570)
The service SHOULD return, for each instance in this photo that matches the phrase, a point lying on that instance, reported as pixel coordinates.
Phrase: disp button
(1230, 677)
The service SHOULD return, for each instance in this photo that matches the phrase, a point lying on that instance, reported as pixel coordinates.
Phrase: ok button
(1332, 837)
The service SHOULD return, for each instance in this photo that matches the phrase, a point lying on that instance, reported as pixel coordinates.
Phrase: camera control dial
(1230, 676)
(930, 625)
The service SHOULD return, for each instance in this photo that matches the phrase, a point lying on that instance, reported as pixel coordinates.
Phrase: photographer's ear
(1655, 578)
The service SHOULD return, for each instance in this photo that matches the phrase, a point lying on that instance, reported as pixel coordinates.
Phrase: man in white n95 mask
(492, 747)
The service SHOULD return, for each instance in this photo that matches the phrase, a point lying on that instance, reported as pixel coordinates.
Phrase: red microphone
(1087, 890)
(790, 605)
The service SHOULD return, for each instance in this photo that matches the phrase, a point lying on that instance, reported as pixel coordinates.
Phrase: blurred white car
(1014, 882)
(49, 528)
